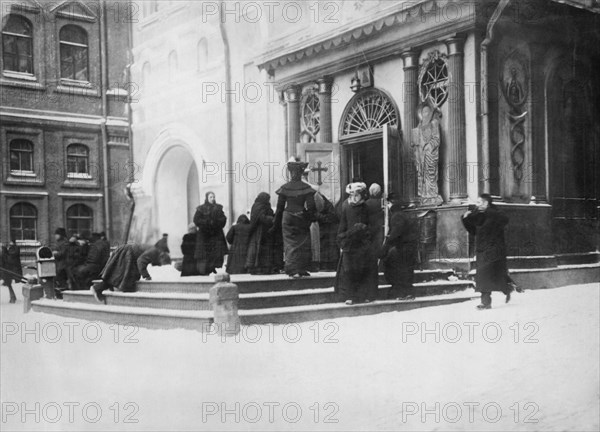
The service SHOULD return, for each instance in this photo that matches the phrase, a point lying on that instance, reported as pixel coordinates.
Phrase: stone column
(411, 102)
(326, 130)
(292, 98)
(456, 171)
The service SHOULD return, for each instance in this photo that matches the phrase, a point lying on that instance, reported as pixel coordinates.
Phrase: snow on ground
(534, 367)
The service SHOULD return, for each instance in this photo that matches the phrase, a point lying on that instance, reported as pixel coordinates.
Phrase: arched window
(78, 160)
(311, 113)
(433, 79)
(172, 65)
(368, 111)
(80, 219)
(23, 222)
(73, 53)
(202, 54)
(17, 45)
(21, 155)
(146, 72)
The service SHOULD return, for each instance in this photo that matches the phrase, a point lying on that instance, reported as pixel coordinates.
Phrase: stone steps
(201, 320)
(124, 315)
(254, 284)
(268, 299)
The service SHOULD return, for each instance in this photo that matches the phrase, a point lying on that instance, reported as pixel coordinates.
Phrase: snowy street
(529, 365)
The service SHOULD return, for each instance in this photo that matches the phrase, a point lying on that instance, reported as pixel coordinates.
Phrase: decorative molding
(435, 68)
(378, 104)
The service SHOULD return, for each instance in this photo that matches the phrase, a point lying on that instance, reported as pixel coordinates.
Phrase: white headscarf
(355, 190)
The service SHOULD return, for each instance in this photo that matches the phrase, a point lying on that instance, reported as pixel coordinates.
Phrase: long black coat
(188, 248)
(238, 237)
(490, 248)
(400, 251)
(10, 259)
(211, 246)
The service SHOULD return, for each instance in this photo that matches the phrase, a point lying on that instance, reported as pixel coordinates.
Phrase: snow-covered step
(263, 283)
(124, 315)
(285, 315)
(268, 299)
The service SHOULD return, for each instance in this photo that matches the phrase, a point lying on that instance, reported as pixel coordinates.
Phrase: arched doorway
(369, 133)
(176, 194)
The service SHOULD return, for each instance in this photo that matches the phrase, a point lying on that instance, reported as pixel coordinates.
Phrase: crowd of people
(352, 241)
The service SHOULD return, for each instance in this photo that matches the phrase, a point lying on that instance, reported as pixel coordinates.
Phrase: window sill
(77, 91)
(19, 173)
(27, 180)
(75, 83)
(79, 176)
(19, 75)
(22, 83)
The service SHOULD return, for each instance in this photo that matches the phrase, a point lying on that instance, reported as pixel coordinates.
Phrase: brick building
(64, 133)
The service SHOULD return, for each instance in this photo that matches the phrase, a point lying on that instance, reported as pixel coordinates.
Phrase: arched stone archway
(176, 194)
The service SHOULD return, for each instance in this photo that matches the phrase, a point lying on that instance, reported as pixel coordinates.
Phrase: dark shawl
(188, 248)
(260, 246)
(490, 248)
(238, 237)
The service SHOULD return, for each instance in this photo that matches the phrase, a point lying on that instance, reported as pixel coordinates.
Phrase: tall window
(21, 155)
(80, 219)
(73, 53)
(23, 222)
(172, 65)
(433, 79)
(78, 160)
(202, 54)
(17, 45)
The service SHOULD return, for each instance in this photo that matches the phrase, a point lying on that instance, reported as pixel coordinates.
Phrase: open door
(391, 163)
(324, 162)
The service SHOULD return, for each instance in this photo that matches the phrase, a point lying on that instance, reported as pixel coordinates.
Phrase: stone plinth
(224, 298)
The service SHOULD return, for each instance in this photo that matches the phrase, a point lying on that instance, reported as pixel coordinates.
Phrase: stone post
(411, 101)
(292, 98)
(325, 109)
(456, 171)
(31, 291)
(224, 297)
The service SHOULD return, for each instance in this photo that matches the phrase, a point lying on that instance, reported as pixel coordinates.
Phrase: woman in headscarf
(295, 212)
(127, 265)
(354, 240)
(260, 248)
(211, 246)
(188, 248)
(375, 222)
(238, 237)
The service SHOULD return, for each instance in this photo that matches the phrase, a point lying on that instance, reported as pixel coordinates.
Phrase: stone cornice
(400, 14)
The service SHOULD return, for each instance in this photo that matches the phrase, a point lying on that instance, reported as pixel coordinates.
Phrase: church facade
(438, 101)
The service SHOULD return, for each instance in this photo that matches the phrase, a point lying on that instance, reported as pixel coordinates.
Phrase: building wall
(53, 112)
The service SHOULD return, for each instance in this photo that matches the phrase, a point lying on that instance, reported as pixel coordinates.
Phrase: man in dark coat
(399, 254)
(188, 248)
(10, 261)
(96, 259)
(487, 224)
(375, 222)
(125, 267)
(211, 246)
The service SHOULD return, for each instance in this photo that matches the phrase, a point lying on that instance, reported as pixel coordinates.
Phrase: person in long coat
(59, 251)
(399, 254)
(238, 237)
(375, 222)
(211, 246)
(487, 224)
(328, 226)
(96, 259)
(188, 248)
(10, 260)
(295, 212)
(352, 282)
(261, 246)
(127, 265)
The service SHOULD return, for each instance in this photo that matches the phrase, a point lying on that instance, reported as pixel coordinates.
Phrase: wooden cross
(319, 169)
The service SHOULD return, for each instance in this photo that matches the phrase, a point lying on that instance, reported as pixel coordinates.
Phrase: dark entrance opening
(364, 161)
